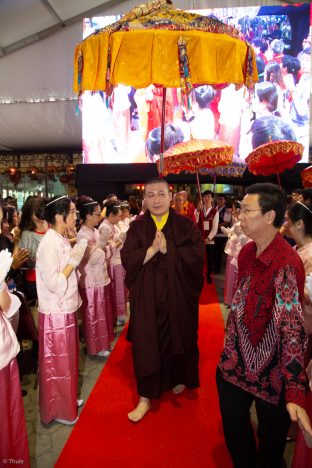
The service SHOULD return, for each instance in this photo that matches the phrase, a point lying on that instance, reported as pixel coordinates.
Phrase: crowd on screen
(128, 123)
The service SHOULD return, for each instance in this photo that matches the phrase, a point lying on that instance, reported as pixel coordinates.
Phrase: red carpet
(180, 431)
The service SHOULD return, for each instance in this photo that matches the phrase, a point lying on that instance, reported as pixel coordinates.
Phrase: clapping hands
(16, 233)
(226, 231)
(19, 257)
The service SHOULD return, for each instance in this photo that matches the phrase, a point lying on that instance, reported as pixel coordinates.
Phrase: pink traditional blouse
(93, 267)
(116, 236)
(56, 293)
(305, 253)
(9, 346)
(124, 225)
(236, 240)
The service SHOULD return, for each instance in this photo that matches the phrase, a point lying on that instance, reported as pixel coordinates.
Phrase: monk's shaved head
(156, 180)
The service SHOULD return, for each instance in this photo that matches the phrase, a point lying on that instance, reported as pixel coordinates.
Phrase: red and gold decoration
(48, 167)
(194, 154)
(274, 157)
(33, 173)
(14, 175)
(306, 177)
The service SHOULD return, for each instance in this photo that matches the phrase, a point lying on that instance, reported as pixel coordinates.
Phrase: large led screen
(125, 127)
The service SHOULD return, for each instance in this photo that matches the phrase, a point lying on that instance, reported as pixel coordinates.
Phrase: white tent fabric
(43, 70)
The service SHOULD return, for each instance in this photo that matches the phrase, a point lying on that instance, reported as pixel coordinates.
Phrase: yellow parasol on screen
(158, 44)
(142, 48)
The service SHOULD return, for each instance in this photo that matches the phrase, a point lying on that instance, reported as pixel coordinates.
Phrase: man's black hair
(271, 197)
(208, 192)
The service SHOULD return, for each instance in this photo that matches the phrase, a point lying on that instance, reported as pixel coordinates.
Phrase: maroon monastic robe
(164, 297)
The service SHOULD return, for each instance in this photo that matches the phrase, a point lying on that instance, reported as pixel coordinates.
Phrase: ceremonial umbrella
(306, 177)
(194, 155)
(159, 44)
(235, 169)
(274, 157)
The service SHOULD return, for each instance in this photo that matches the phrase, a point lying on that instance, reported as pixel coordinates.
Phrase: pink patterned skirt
(13, 438)
(97, 318)
(119, 293)
(58, 366)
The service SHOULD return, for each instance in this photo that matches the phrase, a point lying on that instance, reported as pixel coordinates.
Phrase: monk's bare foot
(140, 411)
(178, 389)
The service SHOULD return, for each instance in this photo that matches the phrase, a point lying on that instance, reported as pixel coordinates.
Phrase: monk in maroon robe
(163, 258)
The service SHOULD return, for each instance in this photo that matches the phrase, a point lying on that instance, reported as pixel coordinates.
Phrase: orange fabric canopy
(139, 58)
(143, 48)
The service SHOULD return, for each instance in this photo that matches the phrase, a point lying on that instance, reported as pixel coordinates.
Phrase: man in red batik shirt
(263, 357)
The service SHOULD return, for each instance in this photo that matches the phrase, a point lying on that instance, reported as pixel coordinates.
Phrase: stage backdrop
(125, 128)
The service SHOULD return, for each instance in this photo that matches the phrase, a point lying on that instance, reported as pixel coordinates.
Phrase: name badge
(206, 225)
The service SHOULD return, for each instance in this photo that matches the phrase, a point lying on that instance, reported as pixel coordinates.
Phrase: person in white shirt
(220, 239)
(58, 302)
(94, 283)
(113, 216)
(203, 125)
(13, 439)
(207, 219)
(124, 222)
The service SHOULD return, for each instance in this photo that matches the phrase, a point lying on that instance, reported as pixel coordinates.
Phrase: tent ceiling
(22, 23)
(36, 19)
(37, 42)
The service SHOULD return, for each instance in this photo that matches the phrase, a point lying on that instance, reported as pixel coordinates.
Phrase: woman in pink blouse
(13, 439)
(58, 301)
(236, 240)
(298, 225)
(113, 216)
(94, 283)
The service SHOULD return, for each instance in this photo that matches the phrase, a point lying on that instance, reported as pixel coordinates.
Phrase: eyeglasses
(247, 211)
